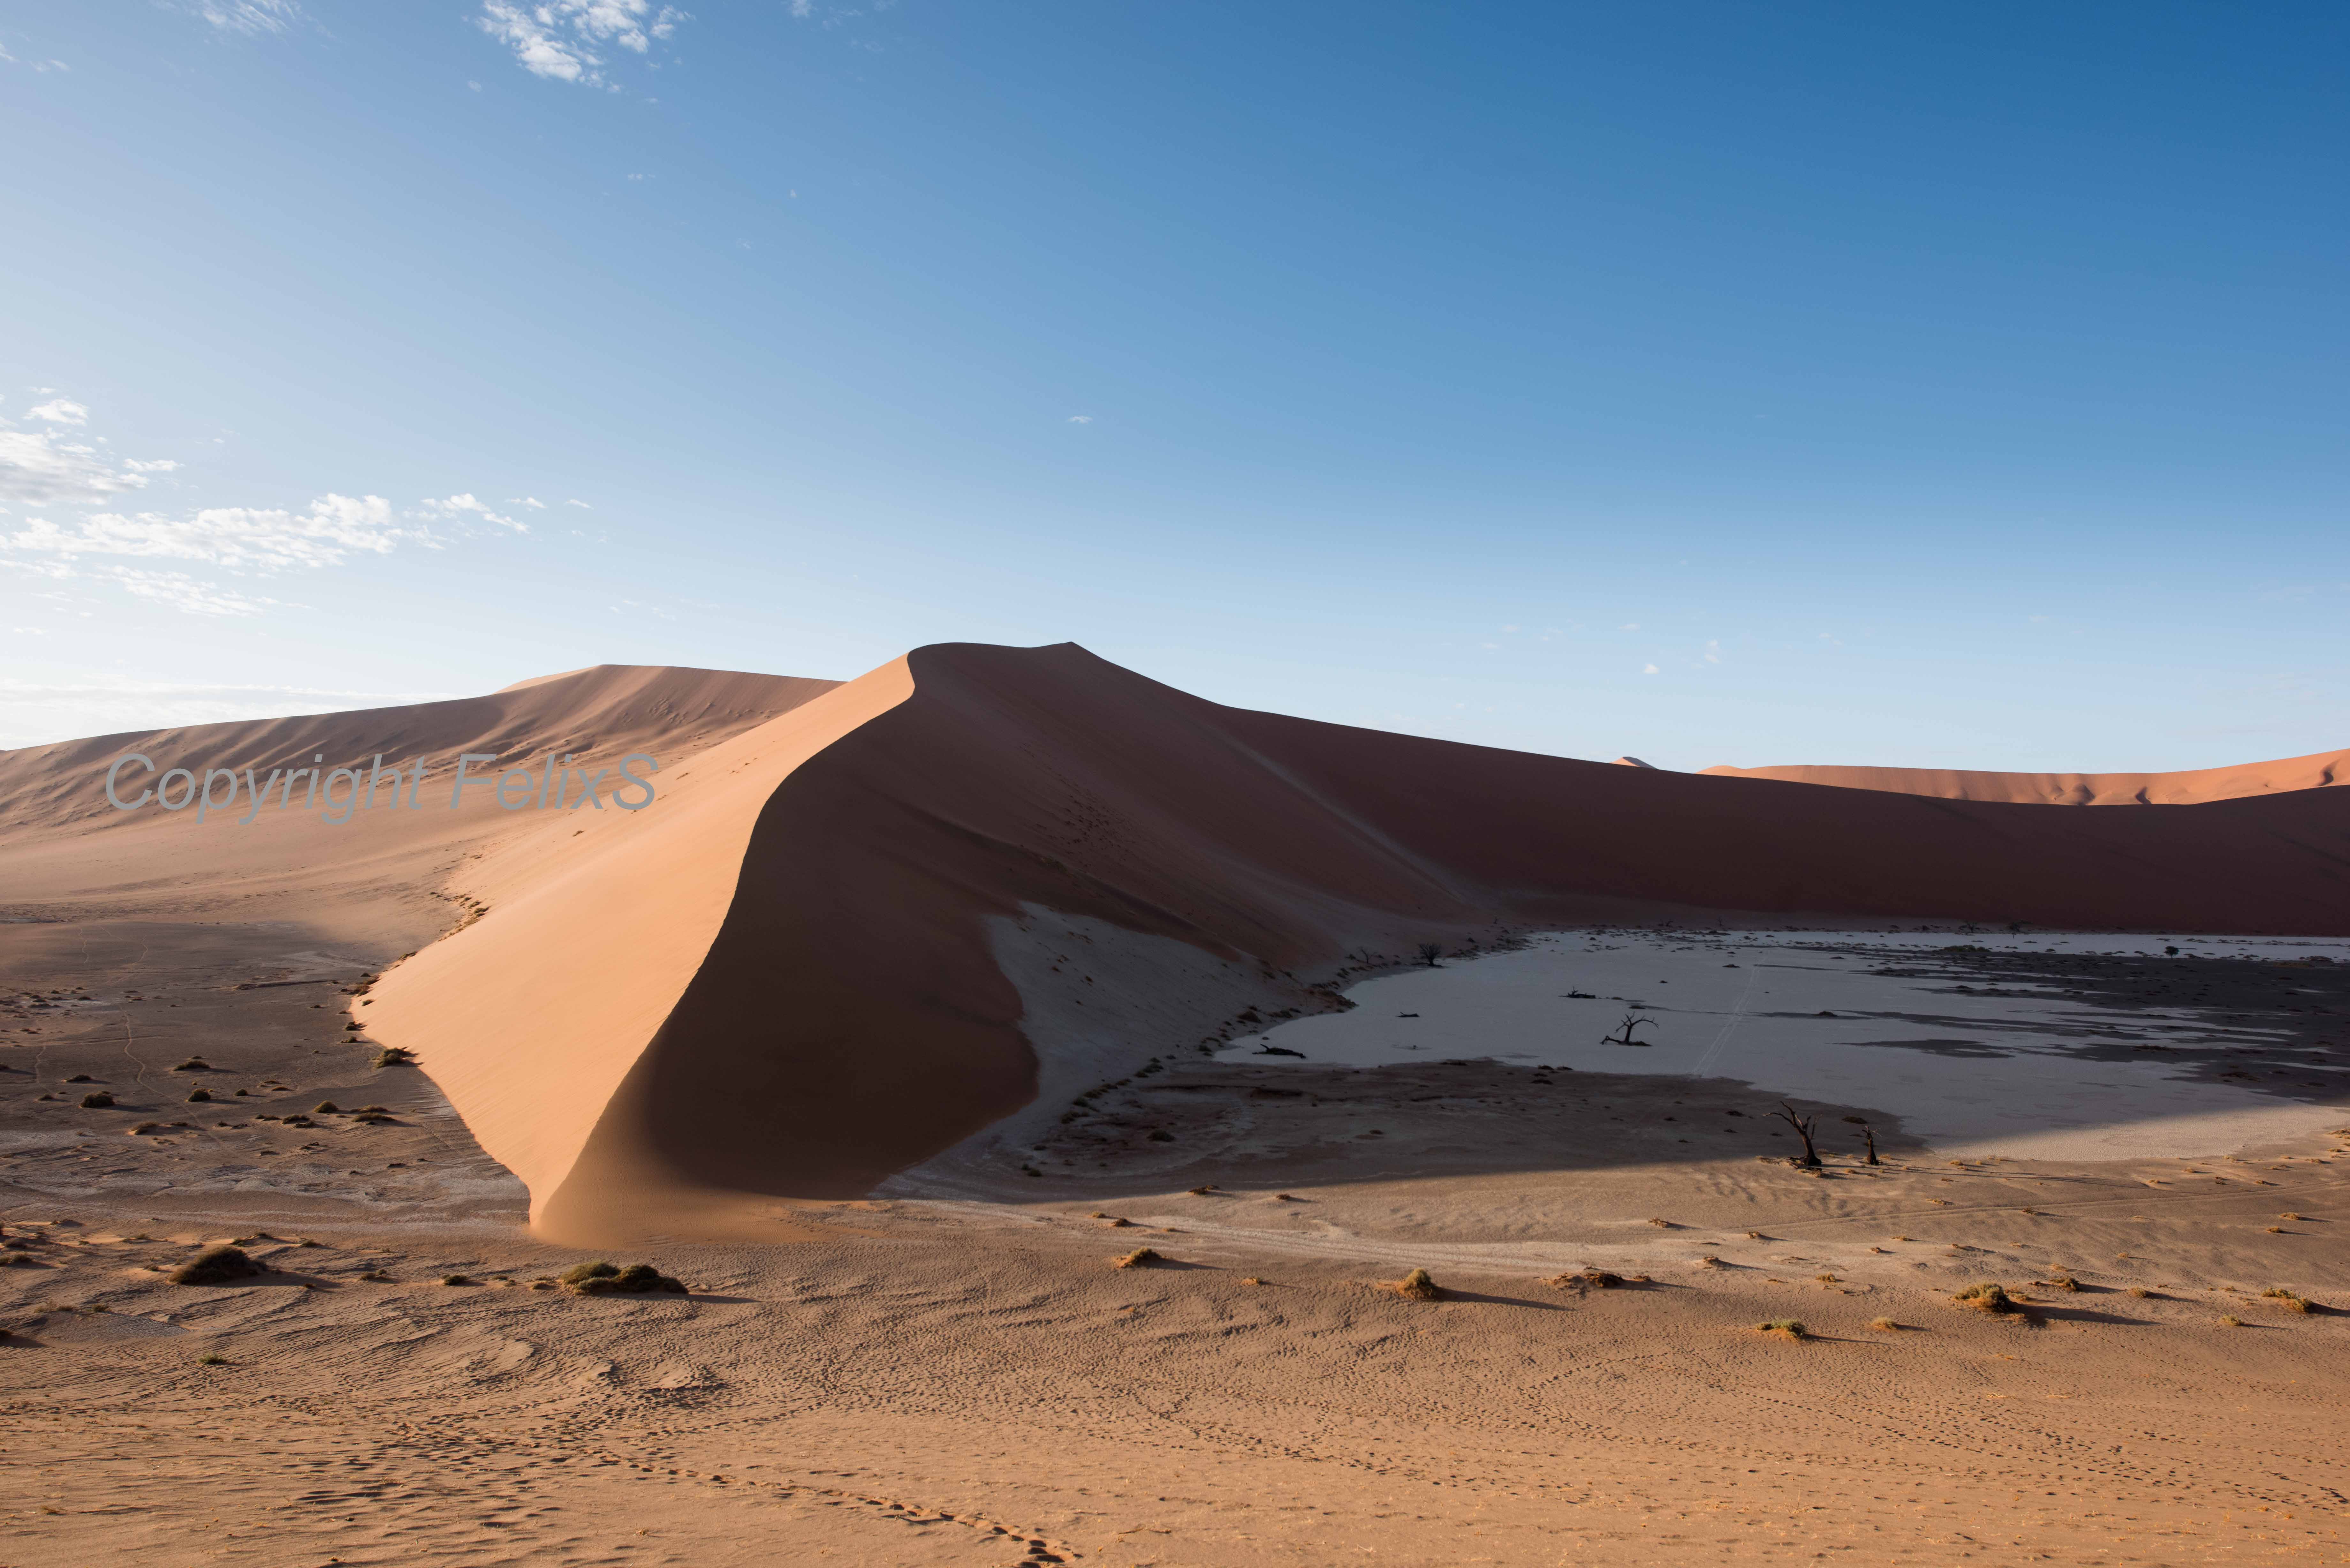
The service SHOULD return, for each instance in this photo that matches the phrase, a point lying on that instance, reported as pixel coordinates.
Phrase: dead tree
(1803, 1126)
(1430, 952)
(1869, 1133)
(1623, 1035)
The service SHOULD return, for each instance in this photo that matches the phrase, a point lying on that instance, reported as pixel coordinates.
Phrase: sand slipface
(784, 984)
(2317, 771)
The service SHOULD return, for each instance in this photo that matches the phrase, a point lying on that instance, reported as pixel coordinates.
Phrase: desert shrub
(2060, 1283)
(1791, 1327)
(1140, 1258)
(212, 1361)
(326, 1108)
(1987, 1297)
(2230, 1321)
(1416, 1286)
(456, 1280)
(193, 1064)
(603, 1279)
(394, 1056)
(216, 1266)
(99, 1101)
(200, 1096)
(2287, 1299)
(1884, 1326)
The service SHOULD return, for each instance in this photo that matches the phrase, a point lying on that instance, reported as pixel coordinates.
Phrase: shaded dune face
(2285, 776)
(794, 994)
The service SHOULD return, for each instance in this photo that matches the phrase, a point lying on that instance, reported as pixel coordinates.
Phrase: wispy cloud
(46, 469)
(465, 505)
(260, 538)
(249, 15)
(185, 594)
(559, 39)
(40, 468)
(1081, 419)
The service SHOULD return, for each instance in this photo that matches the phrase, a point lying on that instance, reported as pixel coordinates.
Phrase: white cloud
(462, 506)
(530, 501)
(1631, 625)
(1081, 419)
(1650, 669)
(37, 468)
(249, 15)
(184, 593)
(159, 465)
(261, 538)
(581, 504)
(1713, 653)
(558, 39)
(62, 411)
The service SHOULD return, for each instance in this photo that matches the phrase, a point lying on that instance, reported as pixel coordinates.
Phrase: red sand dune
(2314, 772)
(787, 985)
(785, 979)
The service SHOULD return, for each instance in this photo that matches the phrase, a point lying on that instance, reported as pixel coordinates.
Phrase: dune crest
(2316, 771)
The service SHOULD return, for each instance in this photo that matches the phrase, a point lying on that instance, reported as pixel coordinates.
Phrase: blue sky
(1940, 386)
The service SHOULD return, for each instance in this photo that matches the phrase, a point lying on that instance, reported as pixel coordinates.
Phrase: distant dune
(788, 980)
(2314, 772)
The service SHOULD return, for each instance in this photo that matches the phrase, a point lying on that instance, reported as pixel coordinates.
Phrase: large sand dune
(789, 981)
(2316, 771)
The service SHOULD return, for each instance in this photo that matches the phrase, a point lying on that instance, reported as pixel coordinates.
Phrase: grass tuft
(1987, 1297)
(1786, 1327)
(1418, 1286)
(1140, 1258)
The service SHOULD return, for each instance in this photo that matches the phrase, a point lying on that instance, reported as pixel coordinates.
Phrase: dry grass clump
(456, 1280)
(212, 1361)
(2287, 1299)
(602, 1278)
(193, 1064)
(2059, 1282)
(2274, 1229)
(1884, 1326)
(326, 1108)
(1987, 1297)
(217, 1266)
(1140, 1258)
(2141, 1293)
(2230, 1321)
(1785, 1327)
(1416, 1286)
(394, 1056)
(200, 1096)
(98, 1100)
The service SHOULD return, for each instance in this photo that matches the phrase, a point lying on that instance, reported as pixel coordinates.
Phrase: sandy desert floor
(958, 1373)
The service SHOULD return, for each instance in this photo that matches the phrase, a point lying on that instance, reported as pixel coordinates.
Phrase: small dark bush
(601, 1279)
(394, 1056)
(193, 1064)
(326, 1108)
(97, 1101)
(216, 1266)
(200, 1096)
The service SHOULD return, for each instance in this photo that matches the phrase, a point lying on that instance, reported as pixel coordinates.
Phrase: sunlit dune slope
(2245, 779)
(65, 850)
(780, 983)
